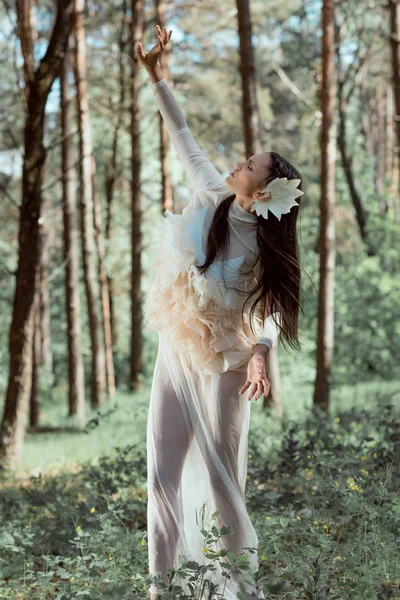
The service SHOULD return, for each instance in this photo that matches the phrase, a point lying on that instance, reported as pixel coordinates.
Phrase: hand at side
(256, 376)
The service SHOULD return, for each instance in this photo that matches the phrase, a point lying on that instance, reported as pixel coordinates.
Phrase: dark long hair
(278, 286)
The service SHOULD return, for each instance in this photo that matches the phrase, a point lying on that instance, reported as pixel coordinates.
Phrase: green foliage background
(204, 67)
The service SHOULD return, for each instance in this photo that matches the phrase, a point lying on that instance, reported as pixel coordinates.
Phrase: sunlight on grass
(55, 451)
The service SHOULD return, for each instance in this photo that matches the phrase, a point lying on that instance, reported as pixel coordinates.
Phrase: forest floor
(322, 492)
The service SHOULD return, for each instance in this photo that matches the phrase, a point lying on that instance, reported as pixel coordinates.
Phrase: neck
(245, 202)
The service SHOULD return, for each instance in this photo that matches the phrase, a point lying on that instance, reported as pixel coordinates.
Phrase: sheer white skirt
(197, 445)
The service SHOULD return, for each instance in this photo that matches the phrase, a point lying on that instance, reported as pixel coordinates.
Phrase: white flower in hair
(280, 196)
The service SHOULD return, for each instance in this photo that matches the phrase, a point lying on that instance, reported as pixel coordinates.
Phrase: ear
(258, 196)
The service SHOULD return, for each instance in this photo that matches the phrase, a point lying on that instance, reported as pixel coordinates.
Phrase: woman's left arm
(257, 374)
(270, 332)
(256, 371)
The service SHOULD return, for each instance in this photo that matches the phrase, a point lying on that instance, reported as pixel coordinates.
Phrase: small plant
(196, 584)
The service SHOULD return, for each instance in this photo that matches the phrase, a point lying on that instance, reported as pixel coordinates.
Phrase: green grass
(125, 424)
(322, 493)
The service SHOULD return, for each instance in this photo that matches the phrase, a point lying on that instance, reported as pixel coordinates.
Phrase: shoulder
(209, 197)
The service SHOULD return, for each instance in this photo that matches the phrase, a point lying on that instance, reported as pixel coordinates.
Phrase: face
(248, 177)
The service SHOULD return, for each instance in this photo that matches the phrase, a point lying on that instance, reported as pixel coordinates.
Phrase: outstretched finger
(244, 387)
(259, 391)
(265, 384)
(252, 391)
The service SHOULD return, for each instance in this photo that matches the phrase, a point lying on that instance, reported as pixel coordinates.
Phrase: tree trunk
(45, 321)
(389, 137)
(390, 155)
(251, 119)
(38, 84)
(251, 122)
(76, 380)
(394, 47)
(37, 358)
(136, 242)
(105, 295)
(377, 148)
(360, 213)
(98, 379)
(166, 184)
(327, 206)
(111, 168)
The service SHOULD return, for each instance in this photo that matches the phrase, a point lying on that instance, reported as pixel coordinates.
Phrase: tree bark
(136, 241)
(378, 132)
(360, 213)
(98, 379)
(111, 168)
(76, 380)
(389, 137)
(251, 119)
(252, 142)
(38, 84)
(390, 155)
(394, 47)
(45, 321)
(327, 206)
(166, 184)
(37, 358)
(104, 291)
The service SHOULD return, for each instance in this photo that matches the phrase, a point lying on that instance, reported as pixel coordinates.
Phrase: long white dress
(197, 430)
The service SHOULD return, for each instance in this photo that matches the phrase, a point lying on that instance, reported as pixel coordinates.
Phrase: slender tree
(167, 201)
(136, 240)
(98, 380)
(394, 47)
(327, 206)
(251, 119)
(252, 141)
(112, 169)
(38, 83)
(76, 381)
(45, 321)
(104, 291)
(36, 354)
(347, 160)
(378, 132)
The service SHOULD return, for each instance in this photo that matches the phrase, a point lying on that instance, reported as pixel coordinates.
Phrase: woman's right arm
(199, 168)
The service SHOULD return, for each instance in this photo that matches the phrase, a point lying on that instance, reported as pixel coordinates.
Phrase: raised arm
(200, 170)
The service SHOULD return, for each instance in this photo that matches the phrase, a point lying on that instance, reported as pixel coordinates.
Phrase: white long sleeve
(200, 170)
(270, 333)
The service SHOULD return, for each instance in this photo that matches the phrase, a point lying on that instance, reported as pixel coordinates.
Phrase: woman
(225, 248)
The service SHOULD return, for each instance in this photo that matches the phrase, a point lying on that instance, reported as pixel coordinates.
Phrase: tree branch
(25, 34)
(51, 61)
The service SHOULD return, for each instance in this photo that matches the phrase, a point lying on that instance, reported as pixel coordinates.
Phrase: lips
(233, 173)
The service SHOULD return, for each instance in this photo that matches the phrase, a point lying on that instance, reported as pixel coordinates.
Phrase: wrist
(155, 73)
(260, 349)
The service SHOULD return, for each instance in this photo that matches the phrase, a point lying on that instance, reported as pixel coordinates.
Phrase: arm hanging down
(200, 170)
(270, 333)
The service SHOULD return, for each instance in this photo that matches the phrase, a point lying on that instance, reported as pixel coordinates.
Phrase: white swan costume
(197, 431)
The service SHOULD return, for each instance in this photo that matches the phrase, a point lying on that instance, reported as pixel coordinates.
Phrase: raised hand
(149, 59)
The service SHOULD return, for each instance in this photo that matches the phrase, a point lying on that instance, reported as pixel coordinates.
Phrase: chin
(227, 181)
